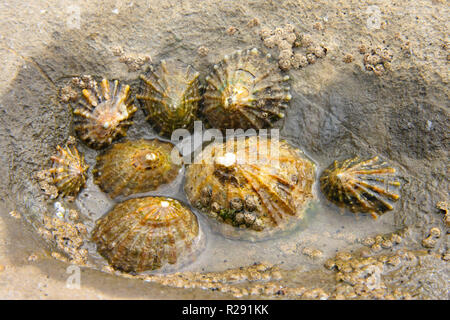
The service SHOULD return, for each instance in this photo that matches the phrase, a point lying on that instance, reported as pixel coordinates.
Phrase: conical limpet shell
(258, 185)
(69, 170)
(361, 186)
(170, 96)
(105, 116)
(136, 166)
(246, 90)
(147, 234)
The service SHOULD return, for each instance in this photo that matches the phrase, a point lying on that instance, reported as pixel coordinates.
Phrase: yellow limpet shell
(69, 170)
(170, 96)
(246, 90)
(255, 184)
(136, 166)
(361, 186)
(105, 116)
(147, 234)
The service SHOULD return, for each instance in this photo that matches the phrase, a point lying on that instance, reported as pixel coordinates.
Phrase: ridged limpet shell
(361, 186)
(148, 233)
(136, 166)
(258, 185)
(170, 96)
(246, 90)
(104, 116)
(69, 170)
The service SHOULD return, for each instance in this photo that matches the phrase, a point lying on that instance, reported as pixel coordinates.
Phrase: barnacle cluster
(69, 237)
(383, 241)
(377, 60)
(367, 277)
(133, 61)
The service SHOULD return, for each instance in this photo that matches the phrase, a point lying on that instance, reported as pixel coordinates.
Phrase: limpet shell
(136, 166)
(147, 234)
(361, 186)
(170, 96)
(246, 90)
(104, 116)
(257, 184)
(69, 170)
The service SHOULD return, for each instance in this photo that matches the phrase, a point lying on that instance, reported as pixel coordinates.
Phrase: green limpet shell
(246, 90)
(258, 185)
(170, 95)
(104, 116)
(136, 166)
(361, 186)
(147, 234)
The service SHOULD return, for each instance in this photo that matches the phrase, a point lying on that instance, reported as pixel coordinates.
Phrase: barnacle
(105, 116)
(246, 90)
(136, 166)
(170, 96)
(361, 186)
(147, 234)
